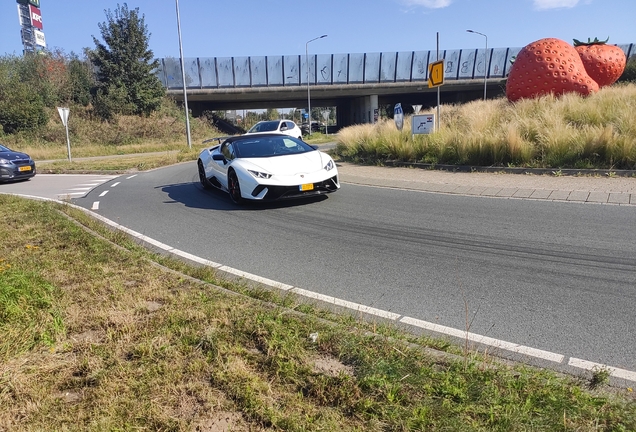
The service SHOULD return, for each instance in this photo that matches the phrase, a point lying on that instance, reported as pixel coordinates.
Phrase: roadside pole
(64, 112)
(438, 89)
(436, 79)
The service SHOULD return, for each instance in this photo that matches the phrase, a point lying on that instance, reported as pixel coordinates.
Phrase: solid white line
(256, 278)
(114, 184)
(81, 189)
(103, 193)
(65, 194)
(95, 206)
(347, 304)
(508, 346)
(616, 372)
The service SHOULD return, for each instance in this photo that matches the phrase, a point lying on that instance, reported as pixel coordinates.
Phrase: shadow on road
(193, 195)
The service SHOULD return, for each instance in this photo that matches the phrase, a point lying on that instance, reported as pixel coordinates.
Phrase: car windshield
(266, 126)
(270, 146)
(4, 149)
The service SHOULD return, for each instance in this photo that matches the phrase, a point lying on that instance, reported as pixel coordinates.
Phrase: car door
(220, 167)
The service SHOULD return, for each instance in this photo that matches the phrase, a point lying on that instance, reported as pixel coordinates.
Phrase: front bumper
(274, 192)
(14, 172)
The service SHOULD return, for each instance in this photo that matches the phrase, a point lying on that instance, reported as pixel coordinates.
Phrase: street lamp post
(485, 59)
(307, 66)
(185, 93)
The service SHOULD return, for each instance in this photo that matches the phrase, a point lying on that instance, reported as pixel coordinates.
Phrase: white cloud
(431, 4)
(554, 4)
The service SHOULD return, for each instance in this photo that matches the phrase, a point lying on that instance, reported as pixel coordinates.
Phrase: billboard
(40, 40)
(31, 25)
(36, 17)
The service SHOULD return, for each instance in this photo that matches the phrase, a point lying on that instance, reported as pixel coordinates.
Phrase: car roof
(232, 138)
(256, 136)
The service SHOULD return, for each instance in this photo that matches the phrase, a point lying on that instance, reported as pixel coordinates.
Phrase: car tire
(202, 178)
(234, 187)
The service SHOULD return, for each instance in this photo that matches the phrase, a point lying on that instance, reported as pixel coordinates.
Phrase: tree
(21, 102)
(125, 65)
(272, 114)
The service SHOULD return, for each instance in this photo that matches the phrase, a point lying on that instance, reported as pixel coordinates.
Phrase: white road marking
(496, 343)
(103, 193)
(95, 206)
(615, 372)
(134, 175)
(255, 278)
(115, 184)
(347, 304)
(81, 189)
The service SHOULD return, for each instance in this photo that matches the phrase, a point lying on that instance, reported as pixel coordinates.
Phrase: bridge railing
(337, 69)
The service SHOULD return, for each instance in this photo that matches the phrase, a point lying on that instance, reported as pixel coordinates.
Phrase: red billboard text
(36, 17)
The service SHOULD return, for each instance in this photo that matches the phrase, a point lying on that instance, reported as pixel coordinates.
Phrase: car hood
(291, 164)
(14, 156)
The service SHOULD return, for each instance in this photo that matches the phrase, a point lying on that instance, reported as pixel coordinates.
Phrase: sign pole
(64, 112)
(438, 89)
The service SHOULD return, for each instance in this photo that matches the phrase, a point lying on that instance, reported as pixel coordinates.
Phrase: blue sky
(281, 27)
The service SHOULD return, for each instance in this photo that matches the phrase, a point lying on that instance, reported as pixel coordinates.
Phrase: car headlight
(5, 161)
(259, 174)
(329, 166)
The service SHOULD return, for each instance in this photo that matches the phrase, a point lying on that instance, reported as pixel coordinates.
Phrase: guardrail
(337, 69)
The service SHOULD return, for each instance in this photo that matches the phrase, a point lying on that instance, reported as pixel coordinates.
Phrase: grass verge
(595, 132)
(97, 333)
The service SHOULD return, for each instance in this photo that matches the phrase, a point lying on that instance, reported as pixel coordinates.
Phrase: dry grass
(164, 130)
(567, 132)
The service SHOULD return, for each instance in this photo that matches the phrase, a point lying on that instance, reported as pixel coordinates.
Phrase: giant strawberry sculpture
(604, 63)
(548, 66)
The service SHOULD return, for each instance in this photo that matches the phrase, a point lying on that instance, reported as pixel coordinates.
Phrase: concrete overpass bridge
(357, 84)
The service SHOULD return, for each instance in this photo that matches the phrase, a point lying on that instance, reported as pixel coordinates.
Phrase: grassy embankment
(132, 139)
(97, 333)
(568, 132)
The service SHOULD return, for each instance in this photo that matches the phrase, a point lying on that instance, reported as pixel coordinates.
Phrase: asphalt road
(559, 277)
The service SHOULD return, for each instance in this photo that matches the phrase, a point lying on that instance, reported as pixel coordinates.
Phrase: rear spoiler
(217, 139)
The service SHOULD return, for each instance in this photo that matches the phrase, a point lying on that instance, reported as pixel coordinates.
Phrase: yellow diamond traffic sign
(436, 74)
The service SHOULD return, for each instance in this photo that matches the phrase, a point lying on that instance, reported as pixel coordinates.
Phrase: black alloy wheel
(234, 187)
(202, 178)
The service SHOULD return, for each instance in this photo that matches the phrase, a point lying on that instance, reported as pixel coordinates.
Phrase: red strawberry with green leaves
(603, 63)
(548, 66)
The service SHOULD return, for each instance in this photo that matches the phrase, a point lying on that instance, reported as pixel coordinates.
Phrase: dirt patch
(221, 422)
(153, 306)
(330, 366)
(89, 336)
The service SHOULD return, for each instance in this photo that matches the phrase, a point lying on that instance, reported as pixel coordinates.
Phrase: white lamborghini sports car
(267, 167)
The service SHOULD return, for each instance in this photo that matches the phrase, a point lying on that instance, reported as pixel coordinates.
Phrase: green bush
(629, 74)
(21, 105)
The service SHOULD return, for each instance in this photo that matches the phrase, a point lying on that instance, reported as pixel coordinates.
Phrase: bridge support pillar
(360, 110)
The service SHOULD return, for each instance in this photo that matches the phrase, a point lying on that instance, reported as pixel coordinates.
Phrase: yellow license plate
(24, 168)
(307, 187)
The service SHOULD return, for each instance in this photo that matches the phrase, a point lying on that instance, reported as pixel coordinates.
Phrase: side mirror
(283, 128)
(218, 157)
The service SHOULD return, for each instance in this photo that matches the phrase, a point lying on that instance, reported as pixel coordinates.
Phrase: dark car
(15, 165)
(315, 127)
